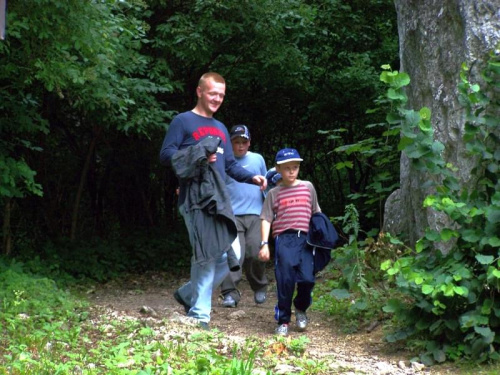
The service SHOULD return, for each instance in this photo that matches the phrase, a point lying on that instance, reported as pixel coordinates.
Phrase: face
(210, 97)
(289, 172)
(240, 146)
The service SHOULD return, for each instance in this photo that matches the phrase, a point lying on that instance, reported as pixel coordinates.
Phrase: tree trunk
(76, 206)
(6, 228)
(435, 38)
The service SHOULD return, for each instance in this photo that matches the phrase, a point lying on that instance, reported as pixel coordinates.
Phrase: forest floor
(363, 352)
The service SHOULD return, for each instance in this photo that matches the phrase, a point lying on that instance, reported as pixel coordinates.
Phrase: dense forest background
(87, 90)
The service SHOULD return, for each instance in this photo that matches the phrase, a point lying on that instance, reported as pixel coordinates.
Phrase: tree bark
(6, 228)
(76, 206)
(435, 38)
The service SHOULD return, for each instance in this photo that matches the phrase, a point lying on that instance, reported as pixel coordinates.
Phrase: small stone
(383, 368)
(149, 311)
(417, 366)
(236, 315)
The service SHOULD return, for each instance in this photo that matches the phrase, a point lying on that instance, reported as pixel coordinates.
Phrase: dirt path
(360, 353)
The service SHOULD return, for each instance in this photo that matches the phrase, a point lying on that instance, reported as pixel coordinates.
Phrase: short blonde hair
(216, 77)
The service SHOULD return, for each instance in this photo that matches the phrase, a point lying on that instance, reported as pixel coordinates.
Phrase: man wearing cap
(191, 132)
(246, 201)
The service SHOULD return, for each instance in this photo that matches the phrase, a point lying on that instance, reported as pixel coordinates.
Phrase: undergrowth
(47, 329)
(104, 259)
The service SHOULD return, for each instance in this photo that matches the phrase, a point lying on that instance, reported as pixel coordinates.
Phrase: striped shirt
(290, 207)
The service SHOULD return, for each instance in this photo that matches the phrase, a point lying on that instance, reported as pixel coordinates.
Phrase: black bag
(321, 239)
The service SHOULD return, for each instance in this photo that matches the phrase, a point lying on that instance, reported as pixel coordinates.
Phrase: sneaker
(229, 301)
(179, 299)
(282, 329)
(260, 297)
(301, 319)
(204, 326)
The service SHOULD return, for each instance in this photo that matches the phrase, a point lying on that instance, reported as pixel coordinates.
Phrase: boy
(288, 208)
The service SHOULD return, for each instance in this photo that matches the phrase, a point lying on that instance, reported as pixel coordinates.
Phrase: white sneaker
(282, 329)
(301, 320)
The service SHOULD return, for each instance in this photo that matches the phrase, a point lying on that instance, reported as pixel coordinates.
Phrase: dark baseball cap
(240, 131)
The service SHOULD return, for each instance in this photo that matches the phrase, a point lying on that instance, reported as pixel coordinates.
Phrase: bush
(451, 302)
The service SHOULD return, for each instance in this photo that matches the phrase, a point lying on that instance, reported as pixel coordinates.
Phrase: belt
(292, 231)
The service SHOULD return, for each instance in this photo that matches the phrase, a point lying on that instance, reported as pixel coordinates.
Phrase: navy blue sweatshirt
(187, 129)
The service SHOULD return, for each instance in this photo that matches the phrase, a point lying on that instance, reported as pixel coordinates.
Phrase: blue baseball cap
(272, 177)
(239, 131)
(286, 155)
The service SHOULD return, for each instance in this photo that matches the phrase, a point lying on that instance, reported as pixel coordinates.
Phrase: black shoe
(229, 301)
(260, 297)
(179, 299)
(204, 326)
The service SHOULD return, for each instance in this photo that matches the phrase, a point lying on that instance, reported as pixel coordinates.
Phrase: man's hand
(264, 253)
(261, 181)
(212, 158)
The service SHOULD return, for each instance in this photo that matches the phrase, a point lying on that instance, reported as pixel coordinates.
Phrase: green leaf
(419, 280)
(403, 79)
(495, 199)
(419, 246)
(430, 200)
(484, 259)
(487, 306)
(486, 332)
(427, 289)
(344, 164)
(448, 290)
(395, 95)
(393, 118)
(393, 306)
(439, 355)
(425, 113)
(437, 147)
(461, 290)
(493, 272)
(471, 235)
(447, 234)
(425, 125)
(340, 294)
(494, 241)
(422, 324)
(404, 142)
(385, 265)
(475, 87)
(393, 270)
(432, 235)
(493, 214)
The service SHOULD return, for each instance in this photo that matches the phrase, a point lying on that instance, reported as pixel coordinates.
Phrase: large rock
(435, 38)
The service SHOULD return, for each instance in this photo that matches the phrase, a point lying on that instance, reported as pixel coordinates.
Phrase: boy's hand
(264, 253)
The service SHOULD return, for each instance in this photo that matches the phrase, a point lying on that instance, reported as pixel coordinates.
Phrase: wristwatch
(262, 243)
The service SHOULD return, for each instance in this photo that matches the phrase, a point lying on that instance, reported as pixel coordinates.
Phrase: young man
(194, 131)
(288, 208)
(246, 201)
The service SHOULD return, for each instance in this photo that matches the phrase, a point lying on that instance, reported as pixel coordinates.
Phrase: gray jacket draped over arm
(207, 200)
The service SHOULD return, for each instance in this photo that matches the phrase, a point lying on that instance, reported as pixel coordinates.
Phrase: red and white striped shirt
(290, 207)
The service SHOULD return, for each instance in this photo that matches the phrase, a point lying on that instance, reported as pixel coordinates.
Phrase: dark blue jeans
(294, 264)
